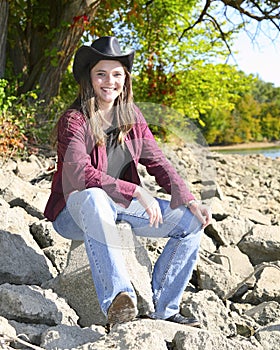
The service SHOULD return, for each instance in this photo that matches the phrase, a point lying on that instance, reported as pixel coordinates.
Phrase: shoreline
(246, 146)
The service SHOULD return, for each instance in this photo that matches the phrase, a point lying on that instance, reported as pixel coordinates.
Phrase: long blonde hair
(124, 114)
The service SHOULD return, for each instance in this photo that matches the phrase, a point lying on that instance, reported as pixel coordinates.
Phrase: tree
(43, 34)
(268, 98)
(41, 44)
(4, 10)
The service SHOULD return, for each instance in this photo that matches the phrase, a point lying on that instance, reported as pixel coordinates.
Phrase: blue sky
(261, 57)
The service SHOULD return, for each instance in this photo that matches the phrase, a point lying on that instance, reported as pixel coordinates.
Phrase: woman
(101, 138)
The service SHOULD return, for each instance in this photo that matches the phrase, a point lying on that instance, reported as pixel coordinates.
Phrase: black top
(119, 157)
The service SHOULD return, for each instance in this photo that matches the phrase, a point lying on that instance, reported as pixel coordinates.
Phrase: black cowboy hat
(104, 48)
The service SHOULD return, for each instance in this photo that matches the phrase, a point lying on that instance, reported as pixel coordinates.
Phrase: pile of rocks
(47, 297)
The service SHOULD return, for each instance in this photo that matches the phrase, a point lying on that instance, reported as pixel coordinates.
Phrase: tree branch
(222, 33)
(199, 20)
(265, 15)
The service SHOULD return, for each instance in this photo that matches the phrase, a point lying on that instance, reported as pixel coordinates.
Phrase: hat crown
(107, 45)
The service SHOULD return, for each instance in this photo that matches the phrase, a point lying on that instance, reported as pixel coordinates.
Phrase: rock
(207, 307)
(133, 335)
(6, 330)
(75, 284)
(69, 337)
(207, 244)
(30, 168)
(77, 274)
(54, 246)
(235, 261)
(219, 209)
(232, 229)
(18, 192)
(261, 244)
(233, 314)
(267, 288)
(215, 277)
(20, 263)
(32, 304)
(211, 191)
(29, 332)
(198, 339)
(264, 313)
(45, 235)
(255, 216)
(269, 336)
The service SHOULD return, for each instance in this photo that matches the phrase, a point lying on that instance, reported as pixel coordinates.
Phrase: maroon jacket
(82, 164)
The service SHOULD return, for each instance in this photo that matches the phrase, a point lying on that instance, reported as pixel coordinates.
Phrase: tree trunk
(4, 10)
(44, 49)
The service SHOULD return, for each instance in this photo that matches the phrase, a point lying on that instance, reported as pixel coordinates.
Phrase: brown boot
(122, 309)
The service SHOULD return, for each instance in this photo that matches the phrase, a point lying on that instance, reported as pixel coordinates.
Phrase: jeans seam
(156, 297)
(93, 255)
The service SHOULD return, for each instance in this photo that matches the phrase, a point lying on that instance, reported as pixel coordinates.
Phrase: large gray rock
(69, 337)
(197, 340)
(133, 335)
(21, 263)
(32, 304)
(267, 287)
(265, 313)
(269, 336)
(75, 284)
(209, 309)
(262, 244)
(235, 261)
(32, 332)
(18, 192)
(213, 276)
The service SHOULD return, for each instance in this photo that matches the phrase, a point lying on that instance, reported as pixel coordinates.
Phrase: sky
(261, 57)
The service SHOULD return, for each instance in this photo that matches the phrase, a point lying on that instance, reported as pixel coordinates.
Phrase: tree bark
(43, 50)
(4, 10)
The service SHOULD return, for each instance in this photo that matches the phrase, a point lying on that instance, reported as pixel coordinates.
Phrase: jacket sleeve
(159, 166)
(83, 164)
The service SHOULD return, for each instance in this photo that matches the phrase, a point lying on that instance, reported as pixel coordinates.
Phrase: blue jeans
(91, 215)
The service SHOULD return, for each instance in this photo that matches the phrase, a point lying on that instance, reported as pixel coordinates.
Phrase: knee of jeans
(193, 226)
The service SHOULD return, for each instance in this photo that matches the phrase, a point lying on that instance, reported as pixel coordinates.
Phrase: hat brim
(88, 56)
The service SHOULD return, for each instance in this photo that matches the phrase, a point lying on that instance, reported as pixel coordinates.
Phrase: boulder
(265, 313)
(267, 287)
(269, 336)
(32, 304)
(21, 263)
(197, 340)
(75, 284)
(69, 337)
(261, 244)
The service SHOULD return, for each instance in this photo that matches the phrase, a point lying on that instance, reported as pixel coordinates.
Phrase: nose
(109, 78)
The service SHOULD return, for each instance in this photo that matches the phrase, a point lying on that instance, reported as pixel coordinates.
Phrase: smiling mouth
(108, 89)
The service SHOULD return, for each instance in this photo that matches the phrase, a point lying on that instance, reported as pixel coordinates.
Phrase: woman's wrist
(192, 202)
(136, 192)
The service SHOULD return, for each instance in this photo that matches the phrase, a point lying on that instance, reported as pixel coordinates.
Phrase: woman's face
(107, 78)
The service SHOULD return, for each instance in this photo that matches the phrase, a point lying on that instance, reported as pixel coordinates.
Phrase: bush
(17, 119)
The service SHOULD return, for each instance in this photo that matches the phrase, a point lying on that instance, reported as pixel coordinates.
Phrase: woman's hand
(150, 204)
(202, 212)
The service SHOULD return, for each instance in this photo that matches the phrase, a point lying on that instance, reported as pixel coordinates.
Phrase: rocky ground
(47, 298)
